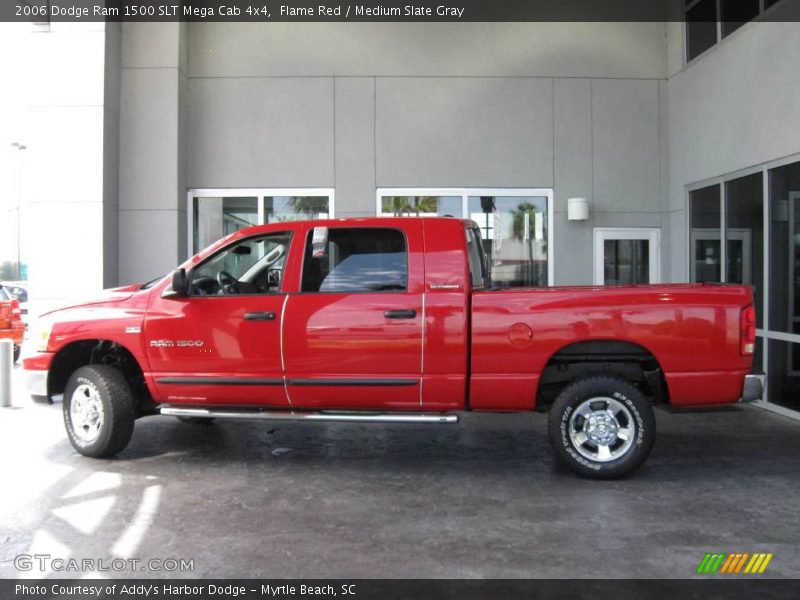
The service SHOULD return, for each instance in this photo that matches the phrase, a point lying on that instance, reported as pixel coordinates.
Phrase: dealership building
(588, 153)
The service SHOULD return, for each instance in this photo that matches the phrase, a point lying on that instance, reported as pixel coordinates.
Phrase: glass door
(626, 256)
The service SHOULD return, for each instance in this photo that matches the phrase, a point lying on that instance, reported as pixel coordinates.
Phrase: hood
(117, 294)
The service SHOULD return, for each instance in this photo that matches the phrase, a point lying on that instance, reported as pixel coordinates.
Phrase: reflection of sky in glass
(375, 272)
(242, 212)
(295, 208)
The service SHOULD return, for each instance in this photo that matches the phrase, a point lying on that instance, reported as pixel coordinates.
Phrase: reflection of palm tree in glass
(308, 207)
(518, 231)
(407, 205)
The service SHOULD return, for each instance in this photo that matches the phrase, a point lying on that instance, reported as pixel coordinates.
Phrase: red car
(11, 325)
(392, 320)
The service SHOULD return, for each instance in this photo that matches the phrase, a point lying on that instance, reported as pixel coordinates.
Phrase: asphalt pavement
(483, 498)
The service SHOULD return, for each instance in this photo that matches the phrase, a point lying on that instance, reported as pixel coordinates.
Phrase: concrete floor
(483, 498)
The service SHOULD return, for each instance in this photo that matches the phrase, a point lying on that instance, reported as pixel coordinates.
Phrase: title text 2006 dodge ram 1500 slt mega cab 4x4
(392, 320)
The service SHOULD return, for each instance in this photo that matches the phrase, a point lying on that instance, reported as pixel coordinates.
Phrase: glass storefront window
(747, 238)
(783, 373)
(701, 27)
(514, 225)
(736, 13)
(421, 206)
(217, 213)
(515, 236)
(744, 235)
(784, 251)
(279, 209)
(214, 218)
(706, 235)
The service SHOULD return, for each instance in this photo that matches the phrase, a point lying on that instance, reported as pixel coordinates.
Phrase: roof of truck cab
(345, 221)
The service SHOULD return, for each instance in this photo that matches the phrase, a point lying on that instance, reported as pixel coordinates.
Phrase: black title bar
(745, 587)
(43, 11)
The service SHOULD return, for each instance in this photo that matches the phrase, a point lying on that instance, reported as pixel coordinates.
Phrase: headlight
(41, 334)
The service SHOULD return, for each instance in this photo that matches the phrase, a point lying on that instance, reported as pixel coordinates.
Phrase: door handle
(405, 313)
(259, 316)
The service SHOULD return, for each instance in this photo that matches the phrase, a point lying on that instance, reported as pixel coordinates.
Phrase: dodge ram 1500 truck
(391, 320)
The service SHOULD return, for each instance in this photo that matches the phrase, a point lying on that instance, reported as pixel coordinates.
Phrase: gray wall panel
(274, 132)
(428, 49)
(148, 138)
(151, 180)
(355, 146)
(625, 130)
(147, 246)
(573, 178)
(150, 45)
(464, 132)
(111, 161)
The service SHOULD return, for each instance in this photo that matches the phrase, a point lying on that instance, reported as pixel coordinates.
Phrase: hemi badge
(133, 330)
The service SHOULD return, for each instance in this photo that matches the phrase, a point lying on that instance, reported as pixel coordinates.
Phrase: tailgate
(5, 314)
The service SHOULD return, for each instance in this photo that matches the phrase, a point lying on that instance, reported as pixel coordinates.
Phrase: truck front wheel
(602, 427)
(98, 411)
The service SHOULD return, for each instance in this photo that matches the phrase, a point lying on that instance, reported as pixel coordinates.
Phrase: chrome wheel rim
(86, 413)
(602, 429)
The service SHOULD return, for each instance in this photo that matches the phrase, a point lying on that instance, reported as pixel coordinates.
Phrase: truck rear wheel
(602, 427)
(17, 352)
(98, 411)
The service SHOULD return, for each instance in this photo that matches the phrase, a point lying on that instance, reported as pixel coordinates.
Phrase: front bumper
(35, 370)
(753, 387)
(36, 384)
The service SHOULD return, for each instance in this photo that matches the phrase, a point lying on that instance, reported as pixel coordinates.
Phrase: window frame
(465, 193)
(307, 241)
(259, 193)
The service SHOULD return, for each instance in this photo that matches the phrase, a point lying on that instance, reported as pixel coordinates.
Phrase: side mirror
(180, 285)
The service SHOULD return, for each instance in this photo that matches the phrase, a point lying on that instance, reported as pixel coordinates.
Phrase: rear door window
(477, 260)
(357, 260)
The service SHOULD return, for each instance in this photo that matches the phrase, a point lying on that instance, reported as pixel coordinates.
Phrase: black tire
(596, 396)
(17, 352)
(196, 420)
(107, 390)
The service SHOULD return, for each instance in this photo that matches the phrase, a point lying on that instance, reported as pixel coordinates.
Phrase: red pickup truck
(11, 325)
(391, 320)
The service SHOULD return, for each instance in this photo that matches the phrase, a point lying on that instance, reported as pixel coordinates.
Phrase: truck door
(220, 345)
(353, 333)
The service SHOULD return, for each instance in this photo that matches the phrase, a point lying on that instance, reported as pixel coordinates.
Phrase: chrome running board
(277, 415)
